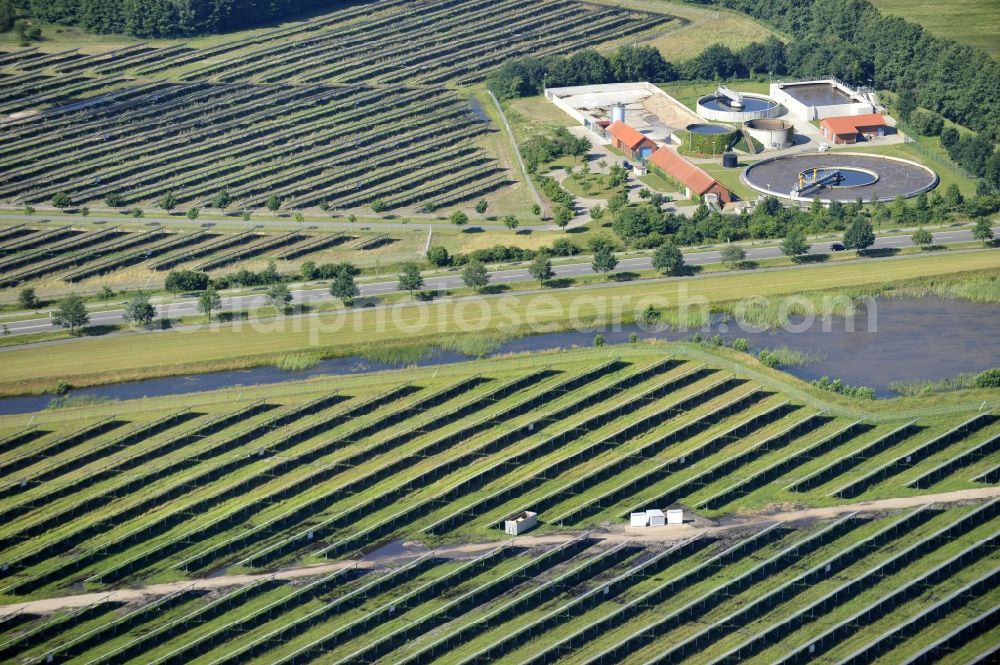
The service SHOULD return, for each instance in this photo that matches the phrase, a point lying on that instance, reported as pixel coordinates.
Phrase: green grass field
(972, 22)
(703, 28)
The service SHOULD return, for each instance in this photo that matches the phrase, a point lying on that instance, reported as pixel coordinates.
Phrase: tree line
(160, 18)
(528, 76)
(646, 225)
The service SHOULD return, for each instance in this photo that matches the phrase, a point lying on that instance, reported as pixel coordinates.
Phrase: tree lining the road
(646, 225)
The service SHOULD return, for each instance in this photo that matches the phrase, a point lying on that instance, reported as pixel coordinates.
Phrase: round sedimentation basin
(716, 107)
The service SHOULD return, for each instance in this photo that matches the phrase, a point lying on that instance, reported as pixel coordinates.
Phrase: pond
(911, 339)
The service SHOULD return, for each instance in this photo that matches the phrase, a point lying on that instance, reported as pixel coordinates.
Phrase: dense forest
(160, 18)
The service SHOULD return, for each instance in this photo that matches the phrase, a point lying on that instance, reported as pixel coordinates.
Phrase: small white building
(656, 517)
(520, 523)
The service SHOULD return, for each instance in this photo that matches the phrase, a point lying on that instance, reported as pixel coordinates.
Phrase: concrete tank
(726, 105)
(772, 133)
(618, 113)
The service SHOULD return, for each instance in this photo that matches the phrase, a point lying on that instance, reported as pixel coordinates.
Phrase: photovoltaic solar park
(342, 109)
(514, 332)
(325, 474)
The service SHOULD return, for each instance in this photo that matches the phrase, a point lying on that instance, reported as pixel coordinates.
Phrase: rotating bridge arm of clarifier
(831, 176)
(735, 98)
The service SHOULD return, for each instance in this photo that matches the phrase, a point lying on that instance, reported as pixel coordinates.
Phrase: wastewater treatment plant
(602, 332)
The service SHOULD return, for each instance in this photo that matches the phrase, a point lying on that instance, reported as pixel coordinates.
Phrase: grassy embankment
(226, 346)
(972, 22)
(704, 27)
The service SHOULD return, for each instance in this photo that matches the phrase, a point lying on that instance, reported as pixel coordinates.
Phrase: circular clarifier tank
(750, 104)
(720, 107)
(699, 128)
(839, 176)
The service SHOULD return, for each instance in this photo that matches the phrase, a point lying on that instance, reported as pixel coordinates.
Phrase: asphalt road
(189, 306)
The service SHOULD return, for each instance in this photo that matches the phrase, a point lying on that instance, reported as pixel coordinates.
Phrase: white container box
(639, 519)
(520, 523)
(675, 516)
(656, 517)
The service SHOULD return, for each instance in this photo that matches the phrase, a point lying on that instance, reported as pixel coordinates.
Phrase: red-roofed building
(852, 128)
(629, 140)
(695, 181)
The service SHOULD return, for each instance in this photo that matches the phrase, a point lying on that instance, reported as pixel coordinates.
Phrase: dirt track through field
(412, 551)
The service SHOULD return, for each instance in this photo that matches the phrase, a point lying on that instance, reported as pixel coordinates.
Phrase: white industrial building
(640, 105)
(815, 100)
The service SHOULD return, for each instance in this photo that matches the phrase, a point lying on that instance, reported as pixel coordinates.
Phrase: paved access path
(411, 551)
(189, 307)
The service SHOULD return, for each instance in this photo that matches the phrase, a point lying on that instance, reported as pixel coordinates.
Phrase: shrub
(244, 277)
(186, 280)
(501, 254)
(438, 255)
(927, 123)
(27, 299)
(114, 200)
(841, 388)
(988, 379)
(331, 270)
(555, 192)
(949, 137)
(562, 247)
(598, 339)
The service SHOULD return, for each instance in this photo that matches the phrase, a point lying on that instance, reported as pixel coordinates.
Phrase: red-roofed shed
(629, 140)
(695, 181)
(848, 128)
